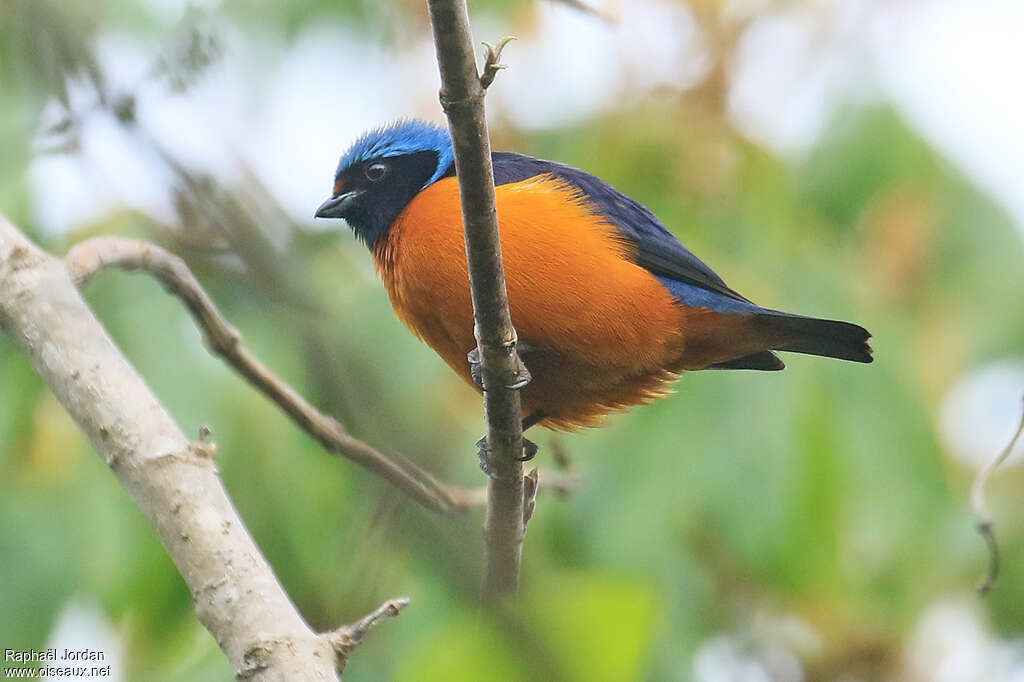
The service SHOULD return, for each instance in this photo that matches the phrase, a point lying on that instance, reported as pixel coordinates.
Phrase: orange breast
(603, 332)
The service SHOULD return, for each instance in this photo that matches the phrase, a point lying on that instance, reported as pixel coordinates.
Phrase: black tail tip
(861, 349)
(828, 338)
(866, 355)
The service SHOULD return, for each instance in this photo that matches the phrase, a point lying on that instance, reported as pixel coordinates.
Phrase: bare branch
(981, 514)
(462, 96)
(347, 637)
(87, 258)
(173, 482)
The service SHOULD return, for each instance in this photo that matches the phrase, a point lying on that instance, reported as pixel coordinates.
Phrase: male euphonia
(609, 306)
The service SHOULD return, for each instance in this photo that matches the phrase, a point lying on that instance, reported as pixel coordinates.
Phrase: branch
(462, 96)
(347, 637)
(982, 516)
(89, 257)
(555, 482)
(173, 481)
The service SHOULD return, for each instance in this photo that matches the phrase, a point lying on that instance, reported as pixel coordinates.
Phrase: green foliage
(820, 492)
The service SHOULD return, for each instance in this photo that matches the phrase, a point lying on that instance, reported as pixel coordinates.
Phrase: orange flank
(601, 333)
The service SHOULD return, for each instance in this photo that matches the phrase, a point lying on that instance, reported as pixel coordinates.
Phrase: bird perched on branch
(609, 306)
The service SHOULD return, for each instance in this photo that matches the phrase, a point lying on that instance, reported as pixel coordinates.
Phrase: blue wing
(654, 247)
(688, 278)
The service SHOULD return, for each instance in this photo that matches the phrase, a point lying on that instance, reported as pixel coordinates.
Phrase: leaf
(600, 627)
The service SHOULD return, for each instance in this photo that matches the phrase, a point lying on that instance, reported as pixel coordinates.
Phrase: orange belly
(603, 332)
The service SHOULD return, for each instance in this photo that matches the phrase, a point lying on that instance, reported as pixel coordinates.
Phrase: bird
(609, 306)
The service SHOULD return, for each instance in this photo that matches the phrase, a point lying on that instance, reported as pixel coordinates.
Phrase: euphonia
(609, 306)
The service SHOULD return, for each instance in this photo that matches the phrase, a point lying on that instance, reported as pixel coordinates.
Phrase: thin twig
(87, 258)
(347, 637)
(982, 516)
(462, 97)
(555, 482)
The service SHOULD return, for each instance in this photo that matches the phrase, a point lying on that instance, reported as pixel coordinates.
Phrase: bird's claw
(476, 369)
(520, 379)
(484, 453)
(529, 450)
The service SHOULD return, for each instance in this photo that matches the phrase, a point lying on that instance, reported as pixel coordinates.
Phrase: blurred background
(859, 159)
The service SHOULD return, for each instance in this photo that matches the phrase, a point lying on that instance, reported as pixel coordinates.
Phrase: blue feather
(399, 138)
(653, 246)
(699, 297)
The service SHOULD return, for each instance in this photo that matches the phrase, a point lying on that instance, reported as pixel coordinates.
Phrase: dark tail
(829, 338)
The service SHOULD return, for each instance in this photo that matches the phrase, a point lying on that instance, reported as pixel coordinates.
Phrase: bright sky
(951, 66)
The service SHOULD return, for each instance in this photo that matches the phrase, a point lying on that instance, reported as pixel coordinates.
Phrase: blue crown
(396, 139)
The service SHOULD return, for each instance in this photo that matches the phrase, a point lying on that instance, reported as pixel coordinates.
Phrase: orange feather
(603, 332)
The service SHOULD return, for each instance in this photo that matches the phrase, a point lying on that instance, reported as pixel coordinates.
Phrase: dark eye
(375, 172)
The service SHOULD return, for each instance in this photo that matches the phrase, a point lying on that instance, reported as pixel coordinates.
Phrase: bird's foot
(520, 379)
(476, 368)
(485, 454)
(529, 450)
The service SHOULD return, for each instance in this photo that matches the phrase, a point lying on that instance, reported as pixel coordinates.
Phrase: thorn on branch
(982, 516)
(347, 637)
(492, 61)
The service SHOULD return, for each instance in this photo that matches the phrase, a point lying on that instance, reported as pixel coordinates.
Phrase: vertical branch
(462, 96)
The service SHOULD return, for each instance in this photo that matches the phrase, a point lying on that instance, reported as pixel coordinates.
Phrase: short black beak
(335, 207)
